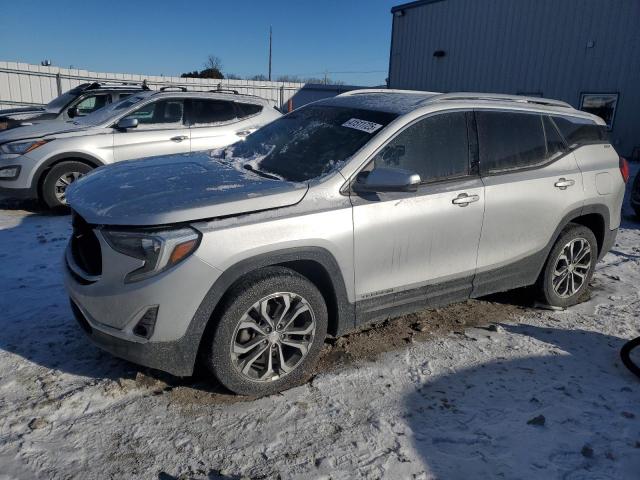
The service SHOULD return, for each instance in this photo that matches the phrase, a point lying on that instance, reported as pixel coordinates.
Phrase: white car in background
(41, 160)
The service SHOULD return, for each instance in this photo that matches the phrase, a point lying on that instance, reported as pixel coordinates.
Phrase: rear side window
(580, 131)
(436, 148)
(205, 112)
(510, 141)
(248, 109)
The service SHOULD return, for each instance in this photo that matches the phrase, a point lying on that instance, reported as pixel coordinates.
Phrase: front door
(415, 249)
(160, 131)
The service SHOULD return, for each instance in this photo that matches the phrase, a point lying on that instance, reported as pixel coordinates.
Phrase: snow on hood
(176, 188)
(37, 130)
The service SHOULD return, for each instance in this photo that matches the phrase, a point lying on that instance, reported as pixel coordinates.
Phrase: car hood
(8, 112)
(175, 188)
(37, 130)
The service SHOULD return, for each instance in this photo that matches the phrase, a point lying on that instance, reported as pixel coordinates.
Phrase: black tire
(637, 210)
(48, 190)
(218, 356)
(547, 294)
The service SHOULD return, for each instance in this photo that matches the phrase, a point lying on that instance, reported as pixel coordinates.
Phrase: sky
(350, 38)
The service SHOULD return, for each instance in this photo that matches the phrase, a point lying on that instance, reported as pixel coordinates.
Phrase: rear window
(510, 141)
(581, 131)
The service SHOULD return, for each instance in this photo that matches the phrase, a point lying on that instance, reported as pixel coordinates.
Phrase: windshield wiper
(259, 172)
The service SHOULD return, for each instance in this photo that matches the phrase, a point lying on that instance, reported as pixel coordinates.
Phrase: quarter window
(510, 141)
(205, 112)
(248, 109)
(581, 131)
(601, 104)
(435, 148)
(161, 113)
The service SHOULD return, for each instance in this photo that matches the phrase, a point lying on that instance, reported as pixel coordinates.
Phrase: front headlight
(159, 250)
(20, 148)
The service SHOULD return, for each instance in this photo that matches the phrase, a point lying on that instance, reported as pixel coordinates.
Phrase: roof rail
(501, 97)
(173, 87)
(100, 84)
(225, 90)
(362, 91)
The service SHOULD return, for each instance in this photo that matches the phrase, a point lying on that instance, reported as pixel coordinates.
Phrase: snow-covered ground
(542, 395)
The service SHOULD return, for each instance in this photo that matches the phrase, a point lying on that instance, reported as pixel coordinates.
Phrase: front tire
(569, 267)
(269, 334)
(56, 181)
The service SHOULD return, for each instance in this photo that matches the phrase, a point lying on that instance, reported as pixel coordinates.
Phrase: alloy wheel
(572, 267)
(273, 337)
(60, 187)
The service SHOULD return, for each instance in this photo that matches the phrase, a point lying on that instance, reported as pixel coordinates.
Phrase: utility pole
(270, 42)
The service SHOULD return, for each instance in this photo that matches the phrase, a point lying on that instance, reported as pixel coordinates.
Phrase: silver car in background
(41, 160)
(346, 211)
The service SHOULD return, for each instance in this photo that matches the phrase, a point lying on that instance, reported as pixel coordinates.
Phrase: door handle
(179, 138)
(463, 199)
(244, 133)
(563, 183)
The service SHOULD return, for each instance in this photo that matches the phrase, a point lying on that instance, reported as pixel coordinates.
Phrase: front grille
(85, 247)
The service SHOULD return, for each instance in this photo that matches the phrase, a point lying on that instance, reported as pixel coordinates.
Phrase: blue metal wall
(560, 48)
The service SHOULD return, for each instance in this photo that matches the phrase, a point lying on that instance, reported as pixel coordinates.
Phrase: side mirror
(126, 123)
(386, 179)
(72, 112)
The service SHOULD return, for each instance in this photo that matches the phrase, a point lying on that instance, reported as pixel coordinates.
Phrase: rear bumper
(176, 358)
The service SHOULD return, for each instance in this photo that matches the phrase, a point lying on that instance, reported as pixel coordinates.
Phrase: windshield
(57, 104)
(113, 109)
(307, 143)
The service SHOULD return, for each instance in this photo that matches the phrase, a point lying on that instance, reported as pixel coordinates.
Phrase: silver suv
(77, 102)
(41, 160)
(346, 211)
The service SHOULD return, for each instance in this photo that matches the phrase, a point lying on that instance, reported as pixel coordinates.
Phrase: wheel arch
(316, 264)
(48, 164)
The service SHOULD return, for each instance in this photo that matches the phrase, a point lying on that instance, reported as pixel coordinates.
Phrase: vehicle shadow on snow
(572, 413)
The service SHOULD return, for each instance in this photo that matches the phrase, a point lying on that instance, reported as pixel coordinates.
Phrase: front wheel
(269, 334)
(54, 186)
(569, 267)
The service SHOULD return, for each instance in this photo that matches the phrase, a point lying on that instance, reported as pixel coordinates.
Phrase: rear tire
(269, 334)
(56, 181)
(569, 267)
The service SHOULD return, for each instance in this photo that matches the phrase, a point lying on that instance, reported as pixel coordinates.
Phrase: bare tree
(213, 63)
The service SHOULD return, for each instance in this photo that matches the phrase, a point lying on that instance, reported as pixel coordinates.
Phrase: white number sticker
(362, 125)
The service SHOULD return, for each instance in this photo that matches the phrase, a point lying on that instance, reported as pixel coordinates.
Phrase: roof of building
(408, 5)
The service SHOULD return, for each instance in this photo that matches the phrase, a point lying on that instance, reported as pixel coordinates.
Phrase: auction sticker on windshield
(362, 125)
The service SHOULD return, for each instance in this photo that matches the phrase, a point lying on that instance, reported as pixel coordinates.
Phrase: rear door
(216, 123)
(531, 182)
(160, 131)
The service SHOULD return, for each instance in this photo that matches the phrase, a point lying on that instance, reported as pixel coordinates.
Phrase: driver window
(91, 104)
(160, 114)
(436, 148)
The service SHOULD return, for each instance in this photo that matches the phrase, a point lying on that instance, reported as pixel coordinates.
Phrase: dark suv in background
(77, 102)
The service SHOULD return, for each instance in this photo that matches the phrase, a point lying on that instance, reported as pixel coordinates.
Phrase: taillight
(624, 169)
